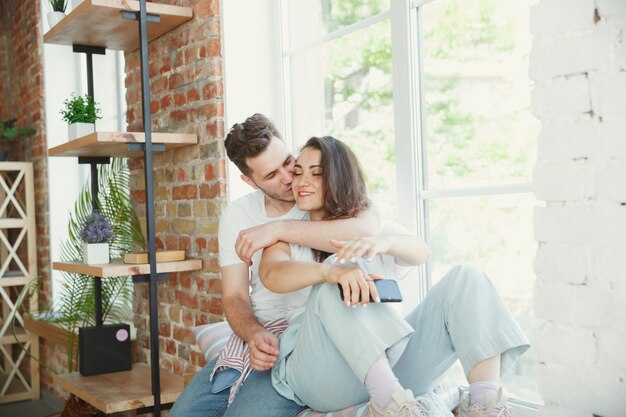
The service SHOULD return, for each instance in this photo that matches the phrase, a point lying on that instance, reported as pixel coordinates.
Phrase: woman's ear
(249, 181)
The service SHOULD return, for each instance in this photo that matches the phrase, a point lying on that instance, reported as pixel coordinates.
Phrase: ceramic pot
(54, 18)
(77, 130)
(95, 253)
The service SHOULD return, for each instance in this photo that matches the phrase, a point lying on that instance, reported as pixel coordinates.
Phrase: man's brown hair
(249, 139)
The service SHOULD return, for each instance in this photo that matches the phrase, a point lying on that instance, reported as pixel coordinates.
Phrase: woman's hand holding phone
(356, 285)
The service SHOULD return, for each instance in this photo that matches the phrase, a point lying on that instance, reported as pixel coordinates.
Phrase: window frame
(409, 121)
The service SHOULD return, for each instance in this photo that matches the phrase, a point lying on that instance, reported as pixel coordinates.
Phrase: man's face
(272, 171)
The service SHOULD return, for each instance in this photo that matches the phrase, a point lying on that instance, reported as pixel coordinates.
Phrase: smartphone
(388, 291)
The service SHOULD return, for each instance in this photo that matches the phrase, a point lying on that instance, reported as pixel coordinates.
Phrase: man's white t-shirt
(244, 213)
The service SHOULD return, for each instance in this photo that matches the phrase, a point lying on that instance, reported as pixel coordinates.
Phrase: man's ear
(248, 181)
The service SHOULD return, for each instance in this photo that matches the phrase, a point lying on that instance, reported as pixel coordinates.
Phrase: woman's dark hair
(345, 193)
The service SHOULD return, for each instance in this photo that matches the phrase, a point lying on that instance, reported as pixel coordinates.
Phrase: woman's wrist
(326, 272)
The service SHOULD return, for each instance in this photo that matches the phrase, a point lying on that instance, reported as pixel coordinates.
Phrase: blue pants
(327, 351)
(256, 398)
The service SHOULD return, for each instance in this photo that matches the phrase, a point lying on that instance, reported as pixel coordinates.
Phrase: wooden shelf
(117, 267)
(121, 391)
(100, 23)
(49, 331)
(116, 143)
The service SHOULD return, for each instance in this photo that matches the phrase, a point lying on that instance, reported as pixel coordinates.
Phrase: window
(434, 98)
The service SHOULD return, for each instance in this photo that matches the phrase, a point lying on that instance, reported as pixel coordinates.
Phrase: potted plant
(96, 234)
(80, 113)
(9, 133)
(57, 13)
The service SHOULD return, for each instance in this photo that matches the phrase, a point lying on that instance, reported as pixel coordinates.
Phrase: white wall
(64, 74)
(579, 64)
(253, 73)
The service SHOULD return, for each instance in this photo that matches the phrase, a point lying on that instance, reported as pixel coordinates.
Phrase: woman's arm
(306, 233)
(279, 273)
(407, 249)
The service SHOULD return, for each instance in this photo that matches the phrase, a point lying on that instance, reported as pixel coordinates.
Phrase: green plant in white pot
(80, 113)
(58, 11)
(96, 233)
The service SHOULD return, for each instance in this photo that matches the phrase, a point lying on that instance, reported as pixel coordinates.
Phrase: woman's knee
(465, 276)
(328, 292)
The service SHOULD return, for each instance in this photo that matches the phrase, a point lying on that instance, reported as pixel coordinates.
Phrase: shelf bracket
(164, 276)
(94, 161)
(156, 147)
(150, 18)
(89, 51)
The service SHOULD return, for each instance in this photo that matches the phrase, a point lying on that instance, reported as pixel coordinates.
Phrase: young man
(247, 225)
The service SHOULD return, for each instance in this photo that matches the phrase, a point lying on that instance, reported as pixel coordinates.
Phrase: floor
(47, 406)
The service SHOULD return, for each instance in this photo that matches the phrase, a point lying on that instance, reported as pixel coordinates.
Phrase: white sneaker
(404, 404)
(495, 406)
(433, 405)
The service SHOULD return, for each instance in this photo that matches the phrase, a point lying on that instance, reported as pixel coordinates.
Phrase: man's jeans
(256, 398)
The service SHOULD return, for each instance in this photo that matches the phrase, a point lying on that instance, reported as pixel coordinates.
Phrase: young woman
(333, 355)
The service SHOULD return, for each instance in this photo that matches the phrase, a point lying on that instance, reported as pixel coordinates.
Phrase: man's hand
(255, 238)
(263, 350)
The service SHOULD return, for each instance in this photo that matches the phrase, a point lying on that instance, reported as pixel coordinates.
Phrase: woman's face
(308, 184)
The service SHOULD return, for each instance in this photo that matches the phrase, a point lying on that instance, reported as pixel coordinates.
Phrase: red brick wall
(189, 183)
(4, 61)
(21, 96)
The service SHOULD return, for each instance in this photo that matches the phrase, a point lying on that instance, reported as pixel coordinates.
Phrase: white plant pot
(54, 18)
(95, 253)
(77, 130)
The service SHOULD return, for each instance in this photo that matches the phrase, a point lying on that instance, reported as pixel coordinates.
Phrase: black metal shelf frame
(143, 18)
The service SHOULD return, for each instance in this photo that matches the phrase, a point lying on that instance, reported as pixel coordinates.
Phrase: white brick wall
(556, 17)
(563, 95)
(579, 65)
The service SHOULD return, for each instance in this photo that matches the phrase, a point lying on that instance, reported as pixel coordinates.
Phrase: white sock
(479, 389)
(381, 382)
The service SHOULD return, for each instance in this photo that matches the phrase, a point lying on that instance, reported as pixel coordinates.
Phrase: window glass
(478, 126)
(328, 16)
(478, 131)
(343, 88)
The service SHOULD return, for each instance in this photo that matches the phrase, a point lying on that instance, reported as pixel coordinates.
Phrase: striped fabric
(213, 337)
(236, 354)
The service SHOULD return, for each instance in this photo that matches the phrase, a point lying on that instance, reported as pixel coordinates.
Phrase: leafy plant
(76, 302)
(58, 5)
(9, 132)
(80, 109)
(77, 299)
(96, 229)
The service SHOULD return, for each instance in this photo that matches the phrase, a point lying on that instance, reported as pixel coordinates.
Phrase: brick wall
(579, 65)
(4, 61)
(189, 183)
(21, 96)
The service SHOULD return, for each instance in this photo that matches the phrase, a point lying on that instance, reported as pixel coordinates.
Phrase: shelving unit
(18, 267)
(92, 27)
